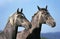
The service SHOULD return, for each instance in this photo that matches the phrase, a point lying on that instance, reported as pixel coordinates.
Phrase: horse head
(19, 19)
(45, 17)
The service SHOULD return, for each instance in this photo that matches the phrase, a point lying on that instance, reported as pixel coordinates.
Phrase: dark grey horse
(17, 19)
(42, 16)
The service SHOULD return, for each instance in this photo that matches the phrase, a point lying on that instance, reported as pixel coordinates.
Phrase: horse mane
(10, 19)
(34, 14)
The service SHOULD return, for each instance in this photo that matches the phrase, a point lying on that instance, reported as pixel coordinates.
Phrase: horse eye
(19, 16)
(46, 13)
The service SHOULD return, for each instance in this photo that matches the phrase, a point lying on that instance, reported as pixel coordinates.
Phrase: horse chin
(53, 26)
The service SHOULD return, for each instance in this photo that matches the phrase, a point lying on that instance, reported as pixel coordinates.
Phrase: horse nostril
(54, 24)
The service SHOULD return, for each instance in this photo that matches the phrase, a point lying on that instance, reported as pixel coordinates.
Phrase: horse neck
(36, 27)
(10, 31)
(36, 21)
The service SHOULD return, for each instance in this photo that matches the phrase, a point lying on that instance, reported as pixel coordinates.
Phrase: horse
(15, 20)
(42, 16)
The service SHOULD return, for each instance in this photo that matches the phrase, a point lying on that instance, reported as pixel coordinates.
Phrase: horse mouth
(52, 24)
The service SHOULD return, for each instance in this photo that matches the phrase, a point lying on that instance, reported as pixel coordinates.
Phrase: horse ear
(38, 7)
(46, 7)
(17, 10)
(21, 10)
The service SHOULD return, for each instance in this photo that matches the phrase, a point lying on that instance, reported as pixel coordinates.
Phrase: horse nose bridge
(51, 19)
(29, 24)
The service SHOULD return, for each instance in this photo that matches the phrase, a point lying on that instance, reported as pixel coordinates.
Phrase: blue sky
(7, 7)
